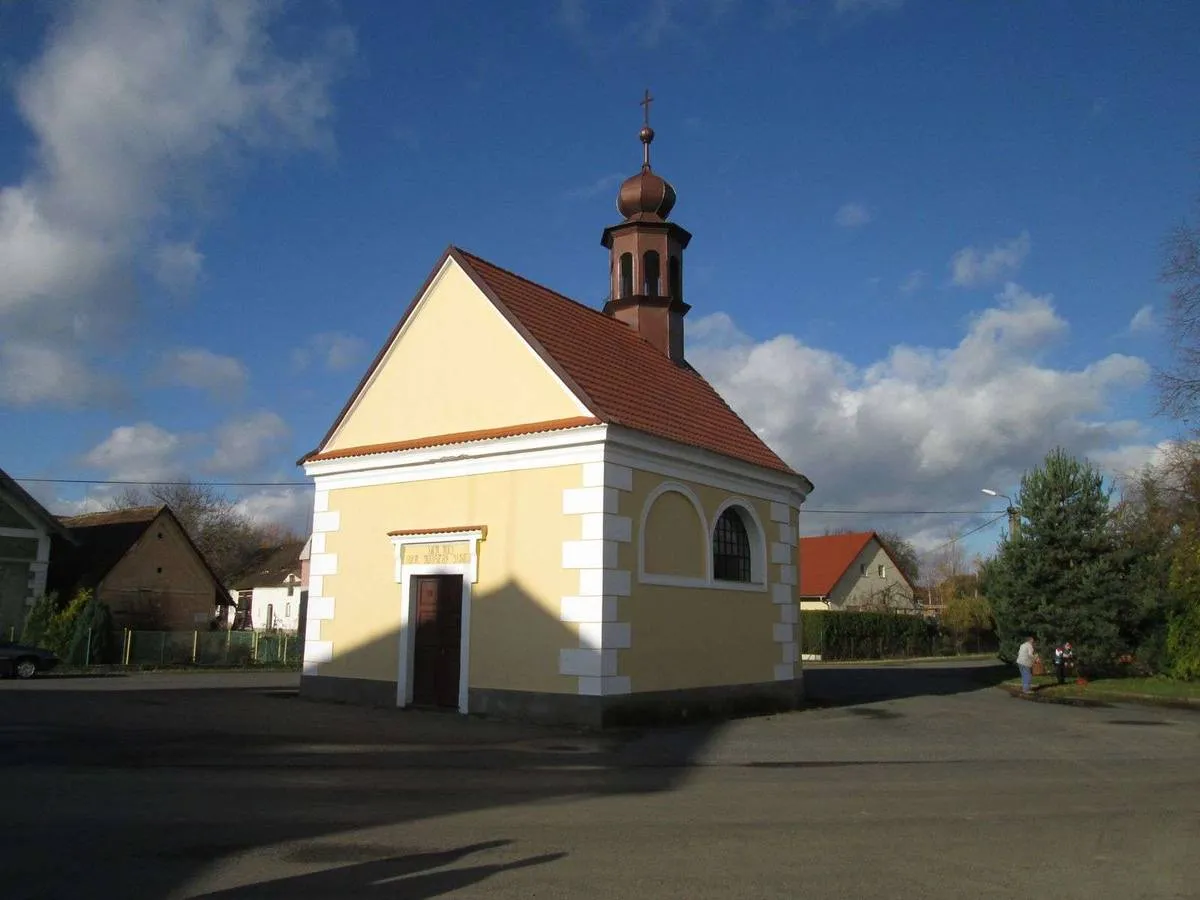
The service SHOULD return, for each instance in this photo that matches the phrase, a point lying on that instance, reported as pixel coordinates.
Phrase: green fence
(209, 648)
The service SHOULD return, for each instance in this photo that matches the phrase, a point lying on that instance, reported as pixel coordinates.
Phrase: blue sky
(926, 233)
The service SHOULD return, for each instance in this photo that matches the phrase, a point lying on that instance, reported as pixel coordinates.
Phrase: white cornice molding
(588, 443)
(639, 450)
(473, 457)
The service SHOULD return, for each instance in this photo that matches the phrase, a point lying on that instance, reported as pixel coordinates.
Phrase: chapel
(533, 508)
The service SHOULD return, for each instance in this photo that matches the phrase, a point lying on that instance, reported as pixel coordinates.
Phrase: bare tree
(1179, 385)
(904, 554)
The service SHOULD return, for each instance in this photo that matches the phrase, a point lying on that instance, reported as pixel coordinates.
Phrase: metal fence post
(195, 645)
(162, 647)
(87, 650)
(283, 648)
(228, 638)
(128, 645)
(254, 649)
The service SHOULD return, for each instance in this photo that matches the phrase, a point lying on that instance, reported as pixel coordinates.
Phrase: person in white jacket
(1025, 657)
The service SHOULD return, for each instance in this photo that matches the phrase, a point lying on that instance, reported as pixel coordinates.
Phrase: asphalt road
(920, 782)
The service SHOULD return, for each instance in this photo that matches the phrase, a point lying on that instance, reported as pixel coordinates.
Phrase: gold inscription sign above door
(457, 553)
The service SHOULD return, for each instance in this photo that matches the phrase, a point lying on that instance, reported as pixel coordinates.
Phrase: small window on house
(159, 570)
(731, 548)
(291, 590)
(882, 572)
(160, 535)
(652, 274)
(862, 569)
(626, 287)
(287, 609)
(675, 278)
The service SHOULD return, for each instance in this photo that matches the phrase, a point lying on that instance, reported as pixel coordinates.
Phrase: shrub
(37, 622)
(62, 626)
(1183, 644)
(864, 635)
(92, 642)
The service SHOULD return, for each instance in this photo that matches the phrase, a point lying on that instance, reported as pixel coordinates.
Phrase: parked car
(24, 660)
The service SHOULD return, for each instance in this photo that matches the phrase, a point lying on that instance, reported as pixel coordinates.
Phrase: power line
(307, 484)
(897, 512)
(955, 540)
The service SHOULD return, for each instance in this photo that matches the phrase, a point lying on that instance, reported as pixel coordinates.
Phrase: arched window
(626, 288)
(675, 276)
(731, 548)
(653, 275)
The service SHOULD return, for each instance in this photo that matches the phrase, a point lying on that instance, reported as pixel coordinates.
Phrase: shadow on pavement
(399, 877)
(850, 685)
(156, 788)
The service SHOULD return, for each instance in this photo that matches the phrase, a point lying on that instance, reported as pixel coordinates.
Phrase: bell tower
(646, 256)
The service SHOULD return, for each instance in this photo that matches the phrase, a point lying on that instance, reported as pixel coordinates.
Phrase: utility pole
(1014, 512)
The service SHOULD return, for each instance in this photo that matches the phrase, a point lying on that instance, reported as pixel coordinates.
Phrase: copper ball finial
(646, 135)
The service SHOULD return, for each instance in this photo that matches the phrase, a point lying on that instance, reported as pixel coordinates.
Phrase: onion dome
(646, 194)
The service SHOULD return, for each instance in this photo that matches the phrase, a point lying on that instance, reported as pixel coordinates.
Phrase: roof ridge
(840, 534)
(474, 257)
(125, 511)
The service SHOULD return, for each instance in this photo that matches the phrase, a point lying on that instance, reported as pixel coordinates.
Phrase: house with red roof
(852, 572)
(535, 508)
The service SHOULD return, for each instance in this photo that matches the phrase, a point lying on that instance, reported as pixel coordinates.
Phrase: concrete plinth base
(656, 707)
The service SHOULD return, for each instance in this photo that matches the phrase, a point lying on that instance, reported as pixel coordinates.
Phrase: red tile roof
(824, 560)
(616, 374)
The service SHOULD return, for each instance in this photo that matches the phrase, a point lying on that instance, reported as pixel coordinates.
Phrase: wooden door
(437, 643)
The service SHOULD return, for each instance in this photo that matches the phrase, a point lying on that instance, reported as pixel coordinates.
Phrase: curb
(1103, 701)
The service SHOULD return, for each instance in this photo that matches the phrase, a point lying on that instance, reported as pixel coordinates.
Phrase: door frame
(408, 606)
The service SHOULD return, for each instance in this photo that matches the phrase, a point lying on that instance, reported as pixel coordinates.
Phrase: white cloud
(33, 373)
(924, 428)
(1143, 320)
(913, 282)
(141, 452)
(972, 267)
(852, 215)
(177, 266)
(203, 370)
(131, 103)
(331, 349)
(291, 507)
(242, 444)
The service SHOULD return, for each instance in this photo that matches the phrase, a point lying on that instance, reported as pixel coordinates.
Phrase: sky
(927, 233)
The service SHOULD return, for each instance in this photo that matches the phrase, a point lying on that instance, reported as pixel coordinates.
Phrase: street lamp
(1014, 521)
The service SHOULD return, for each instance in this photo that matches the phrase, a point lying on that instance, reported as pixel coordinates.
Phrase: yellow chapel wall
(693, 636)
(458, 366)
(516, 631)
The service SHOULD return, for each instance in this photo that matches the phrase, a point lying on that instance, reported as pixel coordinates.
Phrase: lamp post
(1014, 519)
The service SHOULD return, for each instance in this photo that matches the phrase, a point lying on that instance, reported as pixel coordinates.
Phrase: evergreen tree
(93, 643)
(62, 627)
(1060, 577)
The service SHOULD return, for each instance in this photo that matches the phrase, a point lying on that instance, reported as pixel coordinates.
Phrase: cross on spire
(647, 133)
